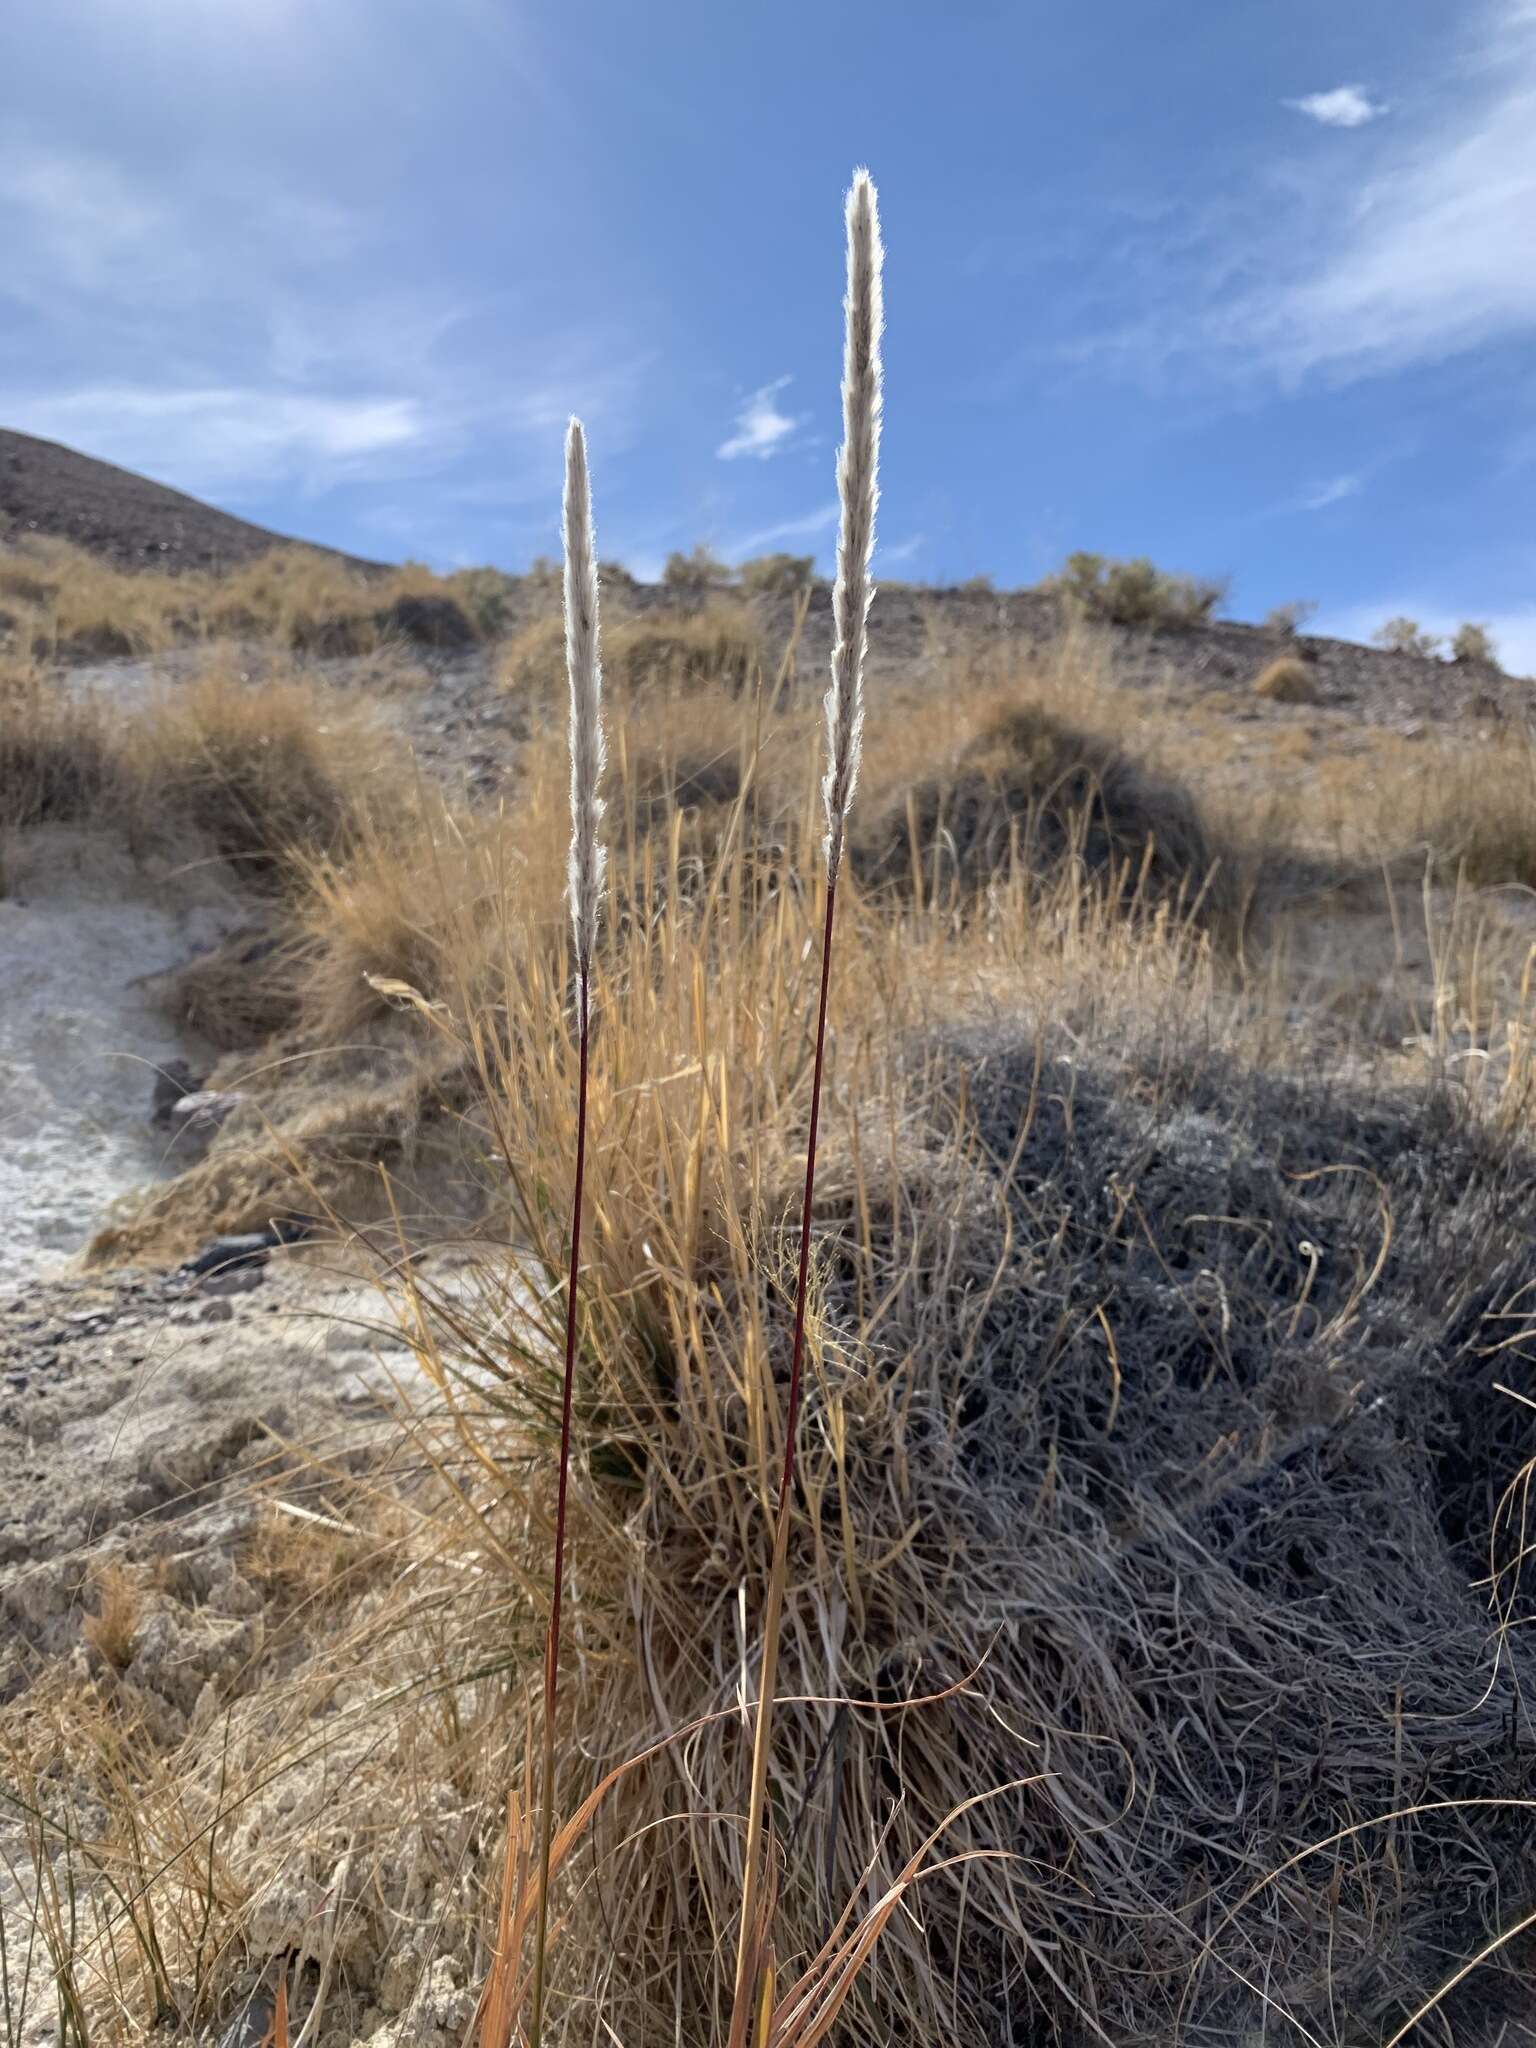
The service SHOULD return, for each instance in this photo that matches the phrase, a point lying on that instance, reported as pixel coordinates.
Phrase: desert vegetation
(60, 602)
(1474, 643)
(1137, 593)
(1017, 1403)
(1407, 636)
(1286, 681)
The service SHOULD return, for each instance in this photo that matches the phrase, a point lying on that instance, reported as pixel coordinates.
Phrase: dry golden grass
(114, 1618)
(946, 1546)
(1373, 796)
(71, 605)
(417, 901)
(1287, 680)
(261, 773)
(56, 761)
(1077, 1404)
(255, 773)
(718, 645)
(1030, 795)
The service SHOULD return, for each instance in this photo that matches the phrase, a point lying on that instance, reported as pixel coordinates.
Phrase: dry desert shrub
(72, 606)
(1136, 593)
(1030, 795)
(1472, 805)
(1085, 1408)
(1151, 1436)
(1474, 645)
(260, 772)
(719, 646)
(1287, 681)
(1154, 1437)
(57, 764)
(253, 771)
(1461, 801)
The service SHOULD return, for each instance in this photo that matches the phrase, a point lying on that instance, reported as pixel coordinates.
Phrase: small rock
(245, 1248)
(233, 1280)
(252, 2026)
(172, 1081)
(217, 1311)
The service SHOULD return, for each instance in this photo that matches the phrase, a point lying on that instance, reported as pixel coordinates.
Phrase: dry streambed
(82, 1042)
(146, 1418)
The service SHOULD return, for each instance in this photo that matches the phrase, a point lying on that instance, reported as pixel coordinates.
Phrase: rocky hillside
(128, 519)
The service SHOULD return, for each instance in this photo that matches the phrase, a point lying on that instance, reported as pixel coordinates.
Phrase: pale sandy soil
(81, 1040)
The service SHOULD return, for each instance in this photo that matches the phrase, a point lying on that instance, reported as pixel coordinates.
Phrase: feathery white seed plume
(858, 492)
(588, 857)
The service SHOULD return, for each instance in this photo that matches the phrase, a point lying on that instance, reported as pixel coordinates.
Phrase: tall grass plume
(857, 468)
(584, 887)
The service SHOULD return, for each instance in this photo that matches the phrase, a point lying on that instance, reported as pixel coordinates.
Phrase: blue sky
(1249, 288)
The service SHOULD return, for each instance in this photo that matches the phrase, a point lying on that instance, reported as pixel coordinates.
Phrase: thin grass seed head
(858, 492)
(588, 856)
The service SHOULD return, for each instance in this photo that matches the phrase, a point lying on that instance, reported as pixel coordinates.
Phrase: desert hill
(46, 488)
(1175, 1334)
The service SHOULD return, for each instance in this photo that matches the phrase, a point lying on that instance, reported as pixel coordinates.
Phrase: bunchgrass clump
(1288, 680)
(946, 1453)
(260, 772)
(57, 761)
(719, 646)
(72, 606)
(1030, 796)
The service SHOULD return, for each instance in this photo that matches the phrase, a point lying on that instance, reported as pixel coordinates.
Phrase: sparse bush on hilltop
(1287, 681)
(776, 575)
(1474, 646)
(1137, 593)
(696, 575)
(1287, 620)
(1404, 636)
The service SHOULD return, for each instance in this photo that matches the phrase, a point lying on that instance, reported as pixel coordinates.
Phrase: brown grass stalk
(857, 471)
(585, 888)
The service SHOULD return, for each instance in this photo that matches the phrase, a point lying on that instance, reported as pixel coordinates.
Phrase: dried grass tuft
(1029, 796)
(720, 646)
(1287, 680)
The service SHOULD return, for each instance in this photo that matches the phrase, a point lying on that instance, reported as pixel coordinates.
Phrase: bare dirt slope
(128, 519)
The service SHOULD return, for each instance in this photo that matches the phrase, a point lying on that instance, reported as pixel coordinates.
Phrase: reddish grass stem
(552, 1641)
(747, 1954)
(792, 1408)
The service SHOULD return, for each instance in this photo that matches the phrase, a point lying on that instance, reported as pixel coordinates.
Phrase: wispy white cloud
(74, 222)
(1346, 106)
(762, 429)
(232, 334)
(1434, 251)
(1328, 493)
(1416, 246)
(805, 527)
(888, 554)
(212, 436)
